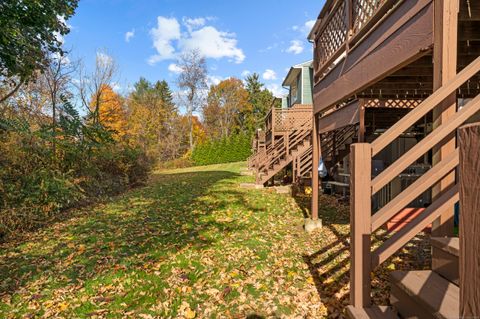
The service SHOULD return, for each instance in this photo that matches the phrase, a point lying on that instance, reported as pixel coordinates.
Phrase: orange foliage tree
(110, 111)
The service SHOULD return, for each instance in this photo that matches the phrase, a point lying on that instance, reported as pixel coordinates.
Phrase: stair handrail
(363, 187)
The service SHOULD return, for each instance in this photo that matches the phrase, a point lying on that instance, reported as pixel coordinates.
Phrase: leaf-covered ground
(192, 244)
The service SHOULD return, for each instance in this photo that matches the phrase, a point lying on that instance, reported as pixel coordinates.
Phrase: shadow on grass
(330, 265)
(330, 210)
(329, 268)
(145, 225)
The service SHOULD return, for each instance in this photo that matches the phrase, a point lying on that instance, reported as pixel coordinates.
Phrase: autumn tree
(57, 81)
(153, 120)
(91, 85)
(227, 108)
(112, 113)
(31, 31)
(193, 81)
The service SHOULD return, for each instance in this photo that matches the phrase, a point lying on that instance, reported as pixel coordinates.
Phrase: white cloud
(269, 75)
(116, 87)
(309, 25)
(60, 38)
(213, 44)
(276, 90)
(194, 23)
(174, 68)
(246, 73)
(305, 28)
(167, 30)
(296, 47)
(214, 79)
(62, 59)
(168, 40)
(129, 35)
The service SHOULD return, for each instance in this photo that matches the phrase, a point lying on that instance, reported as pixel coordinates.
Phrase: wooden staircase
(336, 144)
(302, 167)
(421, 294)
(284, 151)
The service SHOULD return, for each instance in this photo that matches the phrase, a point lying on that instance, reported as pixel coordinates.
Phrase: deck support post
(445, 68)
(294, 169)
(469, 179)
(361, 118)
(315, 163)
(360, 224)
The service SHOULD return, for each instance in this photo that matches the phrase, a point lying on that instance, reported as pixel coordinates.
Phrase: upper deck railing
(280, 120)
(342, 23)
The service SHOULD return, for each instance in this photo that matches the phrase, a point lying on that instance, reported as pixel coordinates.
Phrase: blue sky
(237, 37)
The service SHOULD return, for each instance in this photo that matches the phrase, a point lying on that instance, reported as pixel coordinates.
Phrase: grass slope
(191, 244)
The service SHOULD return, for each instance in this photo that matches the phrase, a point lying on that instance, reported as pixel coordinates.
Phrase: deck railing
(343, 23)
(303, 165)
(363, 187)
(284, 146)
(280, 120)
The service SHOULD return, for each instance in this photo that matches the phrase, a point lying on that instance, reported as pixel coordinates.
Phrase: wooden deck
(394, 81)
(286, 142)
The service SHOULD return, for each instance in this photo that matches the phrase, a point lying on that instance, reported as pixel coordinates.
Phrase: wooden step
(423, 294)
(404, 217)
(445, 252)
(374, 312)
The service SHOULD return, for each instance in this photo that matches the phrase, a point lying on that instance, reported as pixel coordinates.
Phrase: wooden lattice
(363, 10)
(392, 103)
(333, 36)
(292, 119)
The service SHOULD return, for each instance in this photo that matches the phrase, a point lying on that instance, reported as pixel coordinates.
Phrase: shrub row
(233, 148)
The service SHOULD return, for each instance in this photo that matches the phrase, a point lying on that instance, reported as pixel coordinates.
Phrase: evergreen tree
(260, 98)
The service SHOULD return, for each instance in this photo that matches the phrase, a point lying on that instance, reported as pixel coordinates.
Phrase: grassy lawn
(191, 244)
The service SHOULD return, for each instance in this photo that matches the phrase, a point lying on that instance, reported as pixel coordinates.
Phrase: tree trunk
(54, 129)
(190, 122)
(11, 93)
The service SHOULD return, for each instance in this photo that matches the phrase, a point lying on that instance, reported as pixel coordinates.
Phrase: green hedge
(234, 148)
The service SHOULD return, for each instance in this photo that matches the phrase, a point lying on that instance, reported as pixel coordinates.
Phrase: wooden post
(286, 140)
(361, 116)
(294, 169)
(360, 224)
(315, 163)
(348, 22)
(445, 68)
(273, 123)
(469, 179)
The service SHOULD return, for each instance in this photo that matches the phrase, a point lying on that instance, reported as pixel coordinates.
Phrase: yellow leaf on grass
(310, 280)
(190, 314)
(308, 190)
(63, 306)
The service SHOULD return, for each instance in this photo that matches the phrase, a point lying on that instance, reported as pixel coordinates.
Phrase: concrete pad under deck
(251, 185)
(287, 189)
(312, 224)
